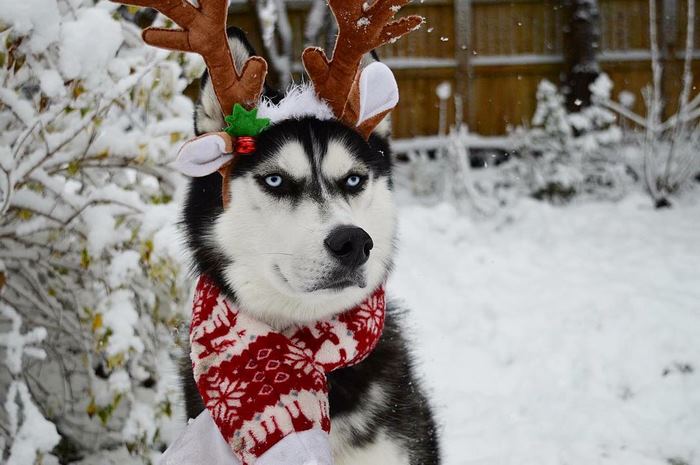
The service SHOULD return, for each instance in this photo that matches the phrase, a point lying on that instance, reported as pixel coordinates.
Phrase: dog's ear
(205, 154)
(207, 115)
(379, 94)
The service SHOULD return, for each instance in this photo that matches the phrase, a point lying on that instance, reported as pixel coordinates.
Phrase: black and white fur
(267, 252)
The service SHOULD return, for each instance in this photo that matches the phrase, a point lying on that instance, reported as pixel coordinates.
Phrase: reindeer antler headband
(362, 27)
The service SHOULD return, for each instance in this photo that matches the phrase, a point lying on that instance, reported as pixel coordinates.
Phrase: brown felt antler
(204, 32)
(362, 27)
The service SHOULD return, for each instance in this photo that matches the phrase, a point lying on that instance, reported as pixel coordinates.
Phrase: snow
(419, 62)
(520, 59)
(624, 55)
(401, 146)
(557, 335)
(102, 232)
(30, 433)
(38, 17)
(16, 344)
(22, 108)
(89, 44)
(626, 98)
(444, 90)
(268, 19)
(90, 125)
(120, 316)
(315, 19)
(140, 422)
(51, 83)
(274, 24)
(123, 266)
(119, 382)
(602, 86)
(35, 436)
(363, 22)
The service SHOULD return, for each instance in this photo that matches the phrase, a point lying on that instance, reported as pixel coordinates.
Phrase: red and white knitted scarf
(260, 385)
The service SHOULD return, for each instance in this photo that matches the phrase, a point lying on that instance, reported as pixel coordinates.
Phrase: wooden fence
(495, 52)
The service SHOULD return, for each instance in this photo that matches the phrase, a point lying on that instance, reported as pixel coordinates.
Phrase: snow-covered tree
(320, 29)
(28, 434)
(276, 32)
(89, 260)
(565, 153)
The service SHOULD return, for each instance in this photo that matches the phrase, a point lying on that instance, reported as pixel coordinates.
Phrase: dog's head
(309, 228)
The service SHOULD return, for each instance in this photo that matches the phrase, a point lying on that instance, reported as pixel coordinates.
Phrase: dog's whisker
(266, 253)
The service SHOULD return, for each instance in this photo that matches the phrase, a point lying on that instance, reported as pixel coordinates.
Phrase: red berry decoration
(245, 145)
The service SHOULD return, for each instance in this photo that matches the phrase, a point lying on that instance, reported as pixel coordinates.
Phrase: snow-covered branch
(29, 434)
(668, 146)
(276, 29)
(87, 237)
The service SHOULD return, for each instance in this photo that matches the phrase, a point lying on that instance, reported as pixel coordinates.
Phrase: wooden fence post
(672, 64)
(463, 72)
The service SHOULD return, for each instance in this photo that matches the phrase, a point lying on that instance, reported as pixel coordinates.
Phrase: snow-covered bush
(29, 435)
(461, 168)
(89, 120)
(560, 155)
(666, 155)
(277, 38)
(565, 154)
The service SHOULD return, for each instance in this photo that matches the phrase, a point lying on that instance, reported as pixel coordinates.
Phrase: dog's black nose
(350, 245)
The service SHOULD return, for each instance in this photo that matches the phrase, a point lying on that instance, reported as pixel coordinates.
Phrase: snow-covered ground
(563, 336)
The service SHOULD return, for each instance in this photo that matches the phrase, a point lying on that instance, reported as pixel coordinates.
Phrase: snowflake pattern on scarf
(260, 385)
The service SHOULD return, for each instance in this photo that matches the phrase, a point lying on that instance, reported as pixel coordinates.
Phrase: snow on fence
(429, 144)
(496, 65)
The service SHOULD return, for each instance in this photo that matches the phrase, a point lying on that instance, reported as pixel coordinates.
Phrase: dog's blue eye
(274, 180)
(353, 181)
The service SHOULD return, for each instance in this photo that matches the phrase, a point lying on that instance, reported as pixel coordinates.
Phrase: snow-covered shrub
(565, 154)
(457, 168)
(29, 436)
(666, 155)
(560, 155)
(479, 192)
(89, 120)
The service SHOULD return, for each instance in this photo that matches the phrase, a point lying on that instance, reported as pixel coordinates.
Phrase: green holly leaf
(245, 123)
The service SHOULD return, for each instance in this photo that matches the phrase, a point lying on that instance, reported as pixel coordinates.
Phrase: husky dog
(309, 233)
